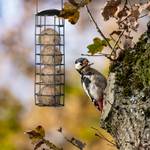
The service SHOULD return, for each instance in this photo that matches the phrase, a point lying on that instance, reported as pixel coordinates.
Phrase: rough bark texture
(129, 118)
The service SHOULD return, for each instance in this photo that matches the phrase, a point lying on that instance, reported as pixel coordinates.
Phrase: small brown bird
(94, 83)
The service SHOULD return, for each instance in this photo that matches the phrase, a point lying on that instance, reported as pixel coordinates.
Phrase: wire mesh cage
(49, 58)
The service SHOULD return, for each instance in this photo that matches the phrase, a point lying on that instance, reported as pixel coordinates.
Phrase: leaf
(123, 12)
(97, 45)
(36, 135)
(145, 6)
(110, 9)
(74, 18)
(135, 12)
(116, 32)
(70, 12)
(40, 130)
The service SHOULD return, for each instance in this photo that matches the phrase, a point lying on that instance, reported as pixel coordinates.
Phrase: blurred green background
(17, 110)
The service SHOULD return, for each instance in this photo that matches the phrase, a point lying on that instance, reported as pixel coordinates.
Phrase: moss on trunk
(129, 118)
(133, 68)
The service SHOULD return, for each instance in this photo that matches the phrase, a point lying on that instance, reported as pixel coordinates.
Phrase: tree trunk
(129, 118)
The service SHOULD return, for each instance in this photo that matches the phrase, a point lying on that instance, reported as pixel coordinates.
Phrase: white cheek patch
(78, 66)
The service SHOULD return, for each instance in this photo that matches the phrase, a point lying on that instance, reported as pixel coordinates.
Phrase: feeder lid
(49, 12)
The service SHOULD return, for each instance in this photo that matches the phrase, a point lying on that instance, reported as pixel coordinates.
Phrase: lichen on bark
(129, 118)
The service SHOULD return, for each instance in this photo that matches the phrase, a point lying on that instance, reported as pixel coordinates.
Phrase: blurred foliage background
(17, 110)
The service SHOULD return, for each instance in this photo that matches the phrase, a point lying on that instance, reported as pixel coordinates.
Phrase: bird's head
(81, 63)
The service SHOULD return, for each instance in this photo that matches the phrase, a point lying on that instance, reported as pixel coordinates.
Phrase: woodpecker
(93, 82)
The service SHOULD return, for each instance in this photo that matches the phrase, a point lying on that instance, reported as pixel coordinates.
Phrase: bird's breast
(94, 90)
(90, 85)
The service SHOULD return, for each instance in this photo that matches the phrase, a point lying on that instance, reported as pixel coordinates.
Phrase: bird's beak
(90, 64)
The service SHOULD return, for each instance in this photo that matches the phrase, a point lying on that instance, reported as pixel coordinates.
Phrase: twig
(51, 145)
(97, 27)
(75, 142)
(117, 43)
(126, 2)
(105, 55)
(101, 54)
(125, 18)
(101, 136)
(143, 16)
(112, 37)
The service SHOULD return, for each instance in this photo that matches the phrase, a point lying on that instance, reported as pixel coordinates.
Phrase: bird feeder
(49, 58)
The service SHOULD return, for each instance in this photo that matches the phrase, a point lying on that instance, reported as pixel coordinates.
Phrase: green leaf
(97, 46)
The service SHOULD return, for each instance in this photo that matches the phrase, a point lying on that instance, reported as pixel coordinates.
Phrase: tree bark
(129, 118)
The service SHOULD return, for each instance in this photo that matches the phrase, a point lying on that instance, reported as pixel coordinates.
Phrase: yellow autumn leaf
(70, 12)
(74, 18)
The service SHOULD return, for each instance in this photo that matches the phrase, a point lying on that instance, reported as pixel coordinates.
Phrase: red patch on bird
(99, 104)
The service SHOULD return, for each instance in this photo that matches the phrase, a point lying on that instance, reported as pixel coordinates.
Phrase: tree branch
(97, 27)
(113, 51)
(105, 55)
(78, 144)
(75, 142)
(143, 16)
(115, 41)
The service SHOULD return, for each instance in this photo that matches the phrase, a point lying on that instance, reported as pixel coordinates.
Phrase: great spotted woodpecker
(93, 82)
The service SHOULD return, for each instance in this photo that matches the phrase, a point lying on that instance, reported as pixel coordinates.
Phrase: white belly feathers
(85, 89)
(92, 89)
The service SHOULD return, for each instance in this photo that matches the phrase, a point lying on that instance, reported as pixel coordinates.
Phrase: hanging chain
(37, 5)
(62, 3)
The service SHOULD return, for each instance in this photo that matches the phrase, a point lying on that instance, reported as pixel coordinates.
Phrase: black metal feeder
(49, 58)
